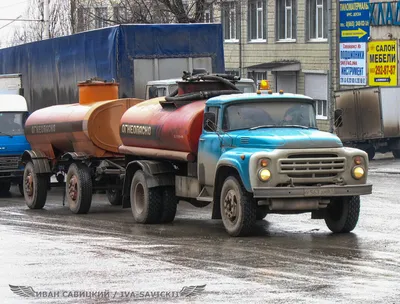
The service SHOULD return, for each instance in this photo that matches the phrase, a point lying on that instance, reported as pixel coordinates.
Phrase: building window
(83, 19)
(321, 107)
(257, 20)
(229, 21)
(100, 17)
(317, 19)
(209, 13)
(286, 19)
(119, 14)
(257, 77)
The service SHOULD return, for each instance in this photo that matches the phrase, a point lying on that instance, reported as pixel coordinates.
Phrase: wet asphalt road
(292, 259)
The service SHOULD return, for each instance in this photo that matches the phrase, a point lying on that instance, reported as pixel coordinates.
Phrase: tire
(114, 197)
(371, 153)
(78, 187)
(238, 209)
(169, 206)
(146, 203)
(396, 153)
(262, 212)
(5, 188)
(342, 214)
(34, 187)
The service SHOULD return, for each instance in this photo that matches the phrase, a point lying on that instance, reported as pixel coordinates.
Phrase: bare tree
(59, 22)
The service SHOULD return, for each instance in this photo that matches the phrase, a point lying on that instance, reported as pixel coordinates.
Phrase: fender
(74, 156)
(241, 166)
(40, 161)
(157, 174)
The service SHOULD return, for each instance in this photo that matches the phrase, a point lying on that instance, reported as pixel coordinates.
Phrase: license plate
(319, 192)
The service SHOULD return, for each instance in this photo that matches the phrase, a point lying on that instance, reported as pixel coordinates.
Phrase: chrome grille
(312, 166)
(8, 162)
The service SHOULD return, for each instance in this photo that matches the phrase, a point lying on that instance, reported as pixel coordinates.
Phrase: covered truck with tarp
(132, 55)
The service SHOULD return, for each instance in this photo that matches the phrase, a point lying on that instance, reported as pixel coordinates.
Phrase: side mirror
(338, 118)
(209, 122)
(153, 92)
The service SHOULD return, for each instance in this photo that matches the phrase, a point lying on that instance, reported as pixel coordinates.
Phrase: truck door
(209, 151)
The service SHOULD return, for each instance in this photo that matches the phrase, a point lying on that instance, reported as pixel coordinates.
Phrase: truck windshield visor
(12, 123)
(270, 113)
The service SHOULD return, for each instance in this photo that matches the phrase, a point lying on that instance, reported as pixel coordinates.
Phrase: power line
(10, 22)
(38, 20)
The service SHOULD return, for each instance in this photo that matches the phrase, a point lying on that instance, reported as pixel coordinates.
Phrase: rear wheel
(238, 209)
(21, 188)
(114, 197)
(146, 203)
(342, 214)
(34, 187)
(5, 187)
(170, 203)
(78, 188)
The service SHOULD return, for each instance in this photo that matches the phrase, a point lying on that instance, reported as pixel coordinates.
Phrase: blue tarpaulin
(52, 68)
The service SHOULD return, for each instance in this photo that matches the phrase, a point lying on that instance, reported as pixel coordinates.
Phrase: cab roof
(175, 80)
(12, 103)
(225, 99)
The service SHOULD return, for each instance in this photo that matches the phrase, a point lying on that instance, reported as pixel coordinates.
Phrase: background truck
(369, 119)
(13, 114)
(130, 54)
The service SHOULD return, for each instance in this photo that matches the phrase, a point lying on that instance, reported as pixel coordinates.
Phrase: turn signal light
(264, 163)
(357, 160)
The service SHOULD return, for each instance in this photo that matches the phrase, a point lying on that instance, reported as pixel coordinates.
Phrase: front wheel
(238, 209)
(342, 214)
(78, 188)
(34, 187)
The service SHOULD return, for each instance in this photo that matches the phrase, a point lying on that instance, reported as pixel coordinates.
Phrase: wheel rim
(139, 197)
(231, 205)
(73, 187)
(29, 184)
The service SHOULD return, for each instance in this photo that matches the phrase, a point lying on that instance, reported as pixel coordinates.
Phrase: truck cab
(13, 114)
(158, 88)
(262, 153)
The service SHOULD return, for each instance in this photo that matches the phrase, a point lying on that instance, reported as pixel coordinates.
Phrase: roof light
(258, 92)
(264, 84)
(269, 91)
(280, 91)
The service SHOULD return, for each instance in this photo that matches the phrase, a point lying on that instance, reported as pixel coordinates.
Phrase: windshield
(269, 113)
(12, 123)
(245, 87)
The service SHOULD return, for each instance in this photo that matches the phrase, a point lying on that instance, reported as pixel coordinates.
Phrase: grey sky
(11, 9)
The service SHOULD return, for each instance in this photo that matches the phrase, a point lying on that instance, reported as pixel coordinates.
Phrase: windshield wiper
(7, 134)
(275, 126)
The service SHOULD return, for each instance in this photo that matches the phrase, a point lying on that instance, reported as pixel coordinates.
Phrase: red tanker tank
(90, 126)
(149, 125)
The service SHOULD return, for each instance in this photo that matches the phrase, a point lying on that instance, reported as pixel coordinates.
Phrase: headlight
(358, 172)
(264, 175)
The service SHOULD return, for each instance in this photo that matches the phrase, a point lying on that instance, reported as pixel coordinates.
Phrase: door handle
(201, 139)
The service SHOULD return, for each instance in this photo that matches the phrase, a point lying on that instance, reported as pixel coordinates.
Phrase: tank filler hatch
(200, 85)
(96, 89)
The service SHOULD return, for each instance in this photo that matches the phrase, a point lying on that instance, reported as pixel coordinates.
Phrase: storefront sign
(384, 13)
(352, 64)
(382, 63)
(354, 20)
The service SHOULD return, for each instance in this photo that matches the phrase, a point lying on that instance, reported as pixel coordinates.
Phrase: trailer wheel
(342, 214)
(5, 187)
(170, 203)
(146, 203)
(78, 188)
(238, 209)
(34, 187)
(262, 212)
(396, 153)
(114, 197)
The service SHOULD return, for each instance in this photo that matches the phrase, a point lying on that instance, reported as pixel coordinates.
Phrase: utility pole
(46, 19)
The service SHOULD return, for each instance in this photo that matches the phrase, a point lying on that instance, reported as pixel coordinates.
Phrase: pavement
(104, 257)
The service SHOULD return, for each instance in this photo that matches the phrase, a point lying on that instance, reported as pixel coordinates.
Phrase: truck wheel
(262, 212)
(78, 188)
(146, 203)
(342, 214)
(170, 203)
(21, 188)
(114, 197)
(35, 187)
(5, 187)
(396, 153)
(371, 153)
(238, 209)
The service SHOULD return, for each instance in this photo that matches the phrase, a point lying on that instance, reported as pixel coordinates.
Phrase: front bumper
(314, 191)
(11, 175)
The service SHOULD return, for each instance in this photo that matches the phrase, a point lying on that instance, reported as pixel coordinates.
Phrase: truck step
(205, 195)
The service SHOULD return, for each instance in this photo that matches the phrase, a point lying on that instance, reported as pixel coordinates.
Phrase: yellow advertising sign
(382, 63)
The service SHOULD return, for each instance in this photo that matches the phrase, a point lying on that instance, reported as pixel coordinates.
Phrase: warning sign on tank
(382, 63)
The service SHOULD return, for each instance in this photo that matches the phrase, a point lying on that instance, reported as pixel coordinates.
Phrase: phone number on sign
(383, 70)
